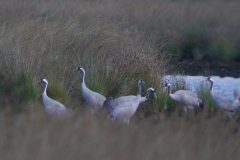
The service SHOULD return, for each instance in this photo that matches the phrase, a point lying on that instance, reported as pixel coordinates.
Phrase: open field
(117, 43)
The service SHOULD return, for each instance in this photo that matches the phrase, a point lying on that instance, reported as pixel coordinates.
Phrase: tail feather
(107, 103)
(201, 102)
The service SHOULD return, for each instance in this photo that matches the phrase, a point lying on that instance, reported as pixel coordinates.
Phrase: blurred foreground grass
(33, 135)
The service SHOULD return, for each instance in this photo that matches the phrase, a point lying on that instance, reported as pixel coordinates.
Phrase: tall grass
(195, 25)
(36, 136)
(116, 42)
(114, 58)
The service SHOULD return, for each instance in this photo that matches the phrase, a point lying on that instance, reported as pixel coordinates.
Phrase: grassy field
(117, 43)
(34, 135)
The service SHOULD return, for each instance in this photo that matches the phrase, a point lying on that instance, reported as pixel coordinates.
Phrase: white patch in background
(222, 86)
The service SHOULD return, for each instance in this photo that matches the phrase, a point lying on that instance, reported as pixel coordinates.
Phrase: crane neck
(45, 89)
(169, 89)
(83, 76)
(139, 90)
(148, 93)
(211, 89)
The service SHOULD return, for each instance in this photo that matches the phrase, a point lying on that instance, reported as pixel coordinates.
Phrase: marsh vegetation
(117, 43)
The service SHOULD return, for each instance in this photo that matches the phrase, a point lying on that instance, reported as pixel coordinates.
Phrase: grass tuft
(57, 92)
(203, 89)
(22, 89)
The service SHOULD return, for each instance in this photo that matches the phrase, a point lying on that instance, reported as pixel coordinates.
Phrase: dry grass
(221, 15)
(36, 136)
(114, 56)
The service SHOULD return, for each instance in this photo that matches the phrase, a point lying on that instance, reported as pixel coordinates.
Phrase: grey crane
(52, 107)
(236, 94)
(222, 103)
(186, 97)
(143, 99)
(111, 103)
(94, 99)
(125, 110)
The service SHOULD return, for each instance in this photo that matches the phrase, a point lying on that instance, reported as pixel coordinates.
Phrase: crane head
(166, 84)
(44, 80)
(140, 82)
(209, 79)
(79, 68)
(154, 91)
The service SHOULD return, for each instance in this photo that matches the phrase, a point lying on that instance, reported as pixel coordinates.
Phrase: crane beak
(38, 81)
(155, 95)
(75, 69)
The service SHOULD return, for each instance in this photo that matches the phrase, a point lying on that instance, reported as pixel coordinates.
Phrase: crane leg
(126, 121)
(185, 109)
(190, 107)
(92, 110)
